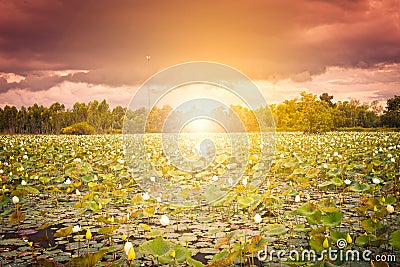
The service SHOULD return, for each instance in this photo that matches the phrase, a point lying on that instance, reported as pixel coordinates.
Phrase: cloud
(267, 40)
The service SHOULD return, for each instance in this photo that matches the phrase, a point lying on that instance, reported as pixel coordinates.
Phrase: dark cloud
(265, 39)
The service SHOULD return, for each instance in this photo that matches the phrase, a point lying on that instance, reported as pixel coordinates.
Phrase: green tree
(327, 98)
(391, 116)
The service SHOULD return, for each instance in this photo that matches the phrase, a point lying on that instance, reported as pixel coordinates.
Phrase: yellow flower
(349, 239)
(326, 243)
(131, 254)
(30, 244)
(88, 234)
(172, 254)
(124, 237)
(375, 209)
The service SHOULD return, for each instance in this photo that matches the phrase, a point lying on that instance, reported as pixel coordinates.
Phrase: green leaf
(244, 201)
(337, 181)
(64, 232)
(395, 239)
(181, 253)
(194, 263)
(370, 226)
(314, 218)
(107, 230)
(316, 243)
(307, 209)
(48, 263)
(87, 178)
(115, 248)
(88, 260)
(325, 184)
(156, 247)
(336, 235)
(359, 187)
(301, 228)
(332, 219)
(363, 240)
(275, 229)
(213, 194)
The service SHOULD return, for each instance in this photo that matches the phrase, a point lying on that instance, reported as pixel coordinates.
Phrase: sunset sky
(72, 50)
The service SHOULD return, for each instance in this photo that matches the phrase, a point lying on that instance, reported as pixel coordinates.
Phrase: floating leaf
(395, 239)
(107, 230)
(64, 232)
(332, 219)
(156, 247)
(275, 230)
(88, 260)
(307, 209)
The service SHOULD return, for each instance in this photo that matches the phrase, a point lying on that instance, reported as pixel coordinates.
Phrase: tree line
(307, 113)
(52, 120)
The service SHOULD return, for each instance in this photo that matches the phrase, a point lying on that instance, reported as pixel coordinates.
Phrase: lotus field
(74, 201)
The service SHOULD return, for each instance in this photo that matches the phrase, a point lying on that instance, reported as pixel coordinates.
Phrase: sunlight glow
(202, 126)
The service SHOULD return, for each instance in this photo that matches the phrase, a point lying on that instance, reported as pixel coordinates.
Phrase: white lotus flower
(214, 178)
(127, 247)
(390, 155)
(297, 198)
(376, 181)
(335, 154)
(347, 181)
(15, 199)
(68, 181)
(257, 218)
(145, 196)
(390, 208)
(392, 160)
(164, 220)
(1, 171)
(244, 182)
(23, 182)
(25, 156)
(77, 228)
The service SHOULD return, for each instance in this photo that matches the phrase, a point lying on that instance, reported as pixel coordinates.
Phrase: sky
(71, 50)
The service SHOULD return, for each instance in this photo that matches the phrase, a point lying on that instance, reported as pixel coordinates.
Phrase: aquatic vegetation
(74, 200)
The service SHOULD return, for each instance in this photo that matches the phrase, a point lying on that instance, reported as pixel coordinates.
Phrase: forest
(306, 113)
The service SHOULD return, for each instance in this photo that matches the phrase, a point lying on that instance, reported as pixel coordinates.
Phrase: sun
(202, 125)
